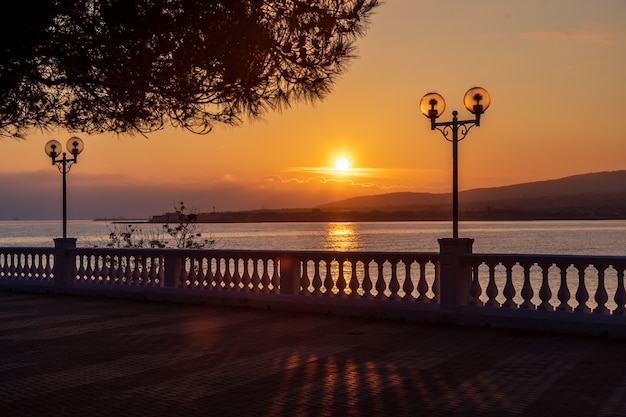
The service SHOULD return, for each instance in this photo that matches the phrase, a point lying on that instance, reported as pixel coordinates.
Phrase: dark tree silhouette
(140, 65)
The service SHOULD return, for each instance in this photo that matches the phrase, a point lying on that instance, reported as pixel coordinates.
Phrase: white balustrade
(579, 284)
(27, 264)
(129, 267)
(389, 276)
(576, 285)
(229, 271)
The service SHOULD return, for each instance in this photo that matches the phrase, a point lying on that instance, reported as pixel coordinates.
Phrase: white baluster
(328, 281)
(527, 289)
(601, 296)
(317, 278)
(144, 276)
(545, 293)
(104, 270)
(40, 269)
(353, 284)
(475, 290)
(509, 288)
(219, 276)
(492, 287)
(228, 275)
(255, 279)
(367, 281)
(89, 270)
(80, 274)
(151, 271)
(394, 285)
(275, 279)
(582, 295)
(265, 278)
(191, 281)
(436, 286)
(183, 275)
(135, 275)
(407, 285)
(17, 270)
(620, 292)
(238, 263)
(563, 294)
(381, 286)
(422, 284)
(128, 270)
(246, 279)
(341, 282)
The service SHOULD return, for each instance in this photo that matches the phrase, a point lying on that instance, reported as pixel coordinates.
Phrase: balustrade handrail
(265, 252)
(26, 249)
(544, 258)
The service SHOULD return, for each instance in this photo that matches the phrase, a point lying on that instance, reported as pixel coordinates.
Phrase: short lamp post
(432, 105)
(54, 150)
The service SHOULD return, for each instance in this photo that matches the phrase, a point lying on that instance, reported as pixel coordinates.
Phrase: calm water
(549, 237)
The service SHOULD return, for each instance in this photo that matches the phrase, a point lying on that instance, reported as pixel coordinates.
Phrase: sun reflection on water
(342, 236)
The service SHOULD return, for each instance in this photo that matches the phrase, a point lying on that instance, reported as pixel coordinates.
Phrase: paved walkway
(78, 356)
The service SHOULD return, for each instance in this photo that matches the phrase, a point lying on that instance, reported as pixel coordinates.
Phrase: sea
(595, 237)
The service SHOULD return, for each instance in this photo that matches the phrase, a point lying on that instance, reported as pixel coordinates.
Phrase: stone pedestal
(62, 261)
(289, 275)
(455, 276)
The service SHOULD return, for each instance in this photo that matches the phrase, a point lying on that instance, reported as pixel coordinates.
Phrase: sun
(342, 164)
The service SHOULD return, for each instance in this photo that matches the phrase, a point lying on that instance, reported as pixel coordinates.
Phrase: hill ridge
(593, 196)
(604, 182)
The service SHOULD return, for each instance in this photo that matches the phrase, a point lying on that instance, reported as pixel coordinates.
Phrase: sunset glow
(342, 164)
(555, 72)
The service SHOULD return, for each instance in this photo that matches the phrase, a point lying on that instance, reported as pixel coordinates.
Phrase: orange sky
(556, 71)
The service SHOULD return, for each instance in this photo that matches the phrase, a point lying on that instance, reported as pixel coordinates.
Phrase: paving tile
(68, 356)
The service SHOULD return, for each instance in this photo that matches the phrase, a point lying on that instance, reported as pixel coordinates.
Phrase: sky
(555, 69)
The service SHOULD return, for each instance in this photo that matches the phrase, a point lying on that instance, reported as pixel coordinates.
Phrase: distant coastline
(120, 220)
(594, 196)
(316, 215)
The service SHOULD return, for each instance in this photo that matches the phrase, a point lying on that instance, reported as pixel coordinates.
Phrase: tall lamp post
(53, 149)
(432, 105)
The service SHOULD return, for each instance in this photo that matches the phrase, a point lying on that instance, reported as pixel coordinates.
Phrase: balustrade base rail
(563, 294)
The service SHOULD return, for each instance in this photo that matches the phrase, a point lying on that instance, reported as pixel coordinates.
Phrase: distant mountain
(600, 182)
(595, 195)
(600, 195)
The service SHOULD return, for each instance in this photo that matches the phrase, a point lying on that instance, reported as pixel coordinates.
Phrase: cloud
(333, 172)
(594, 37)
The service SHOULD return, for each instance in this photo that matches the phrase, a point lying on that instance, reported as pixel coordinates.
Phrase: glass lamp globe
(75, 145)
(53, 148)
(432, 105)
(477, 100)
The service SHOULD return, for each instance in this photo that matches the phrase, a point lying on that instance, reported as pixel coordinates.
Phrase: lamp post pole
(432, 105)
(53, 148)
(455, 175)
(64, 172)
